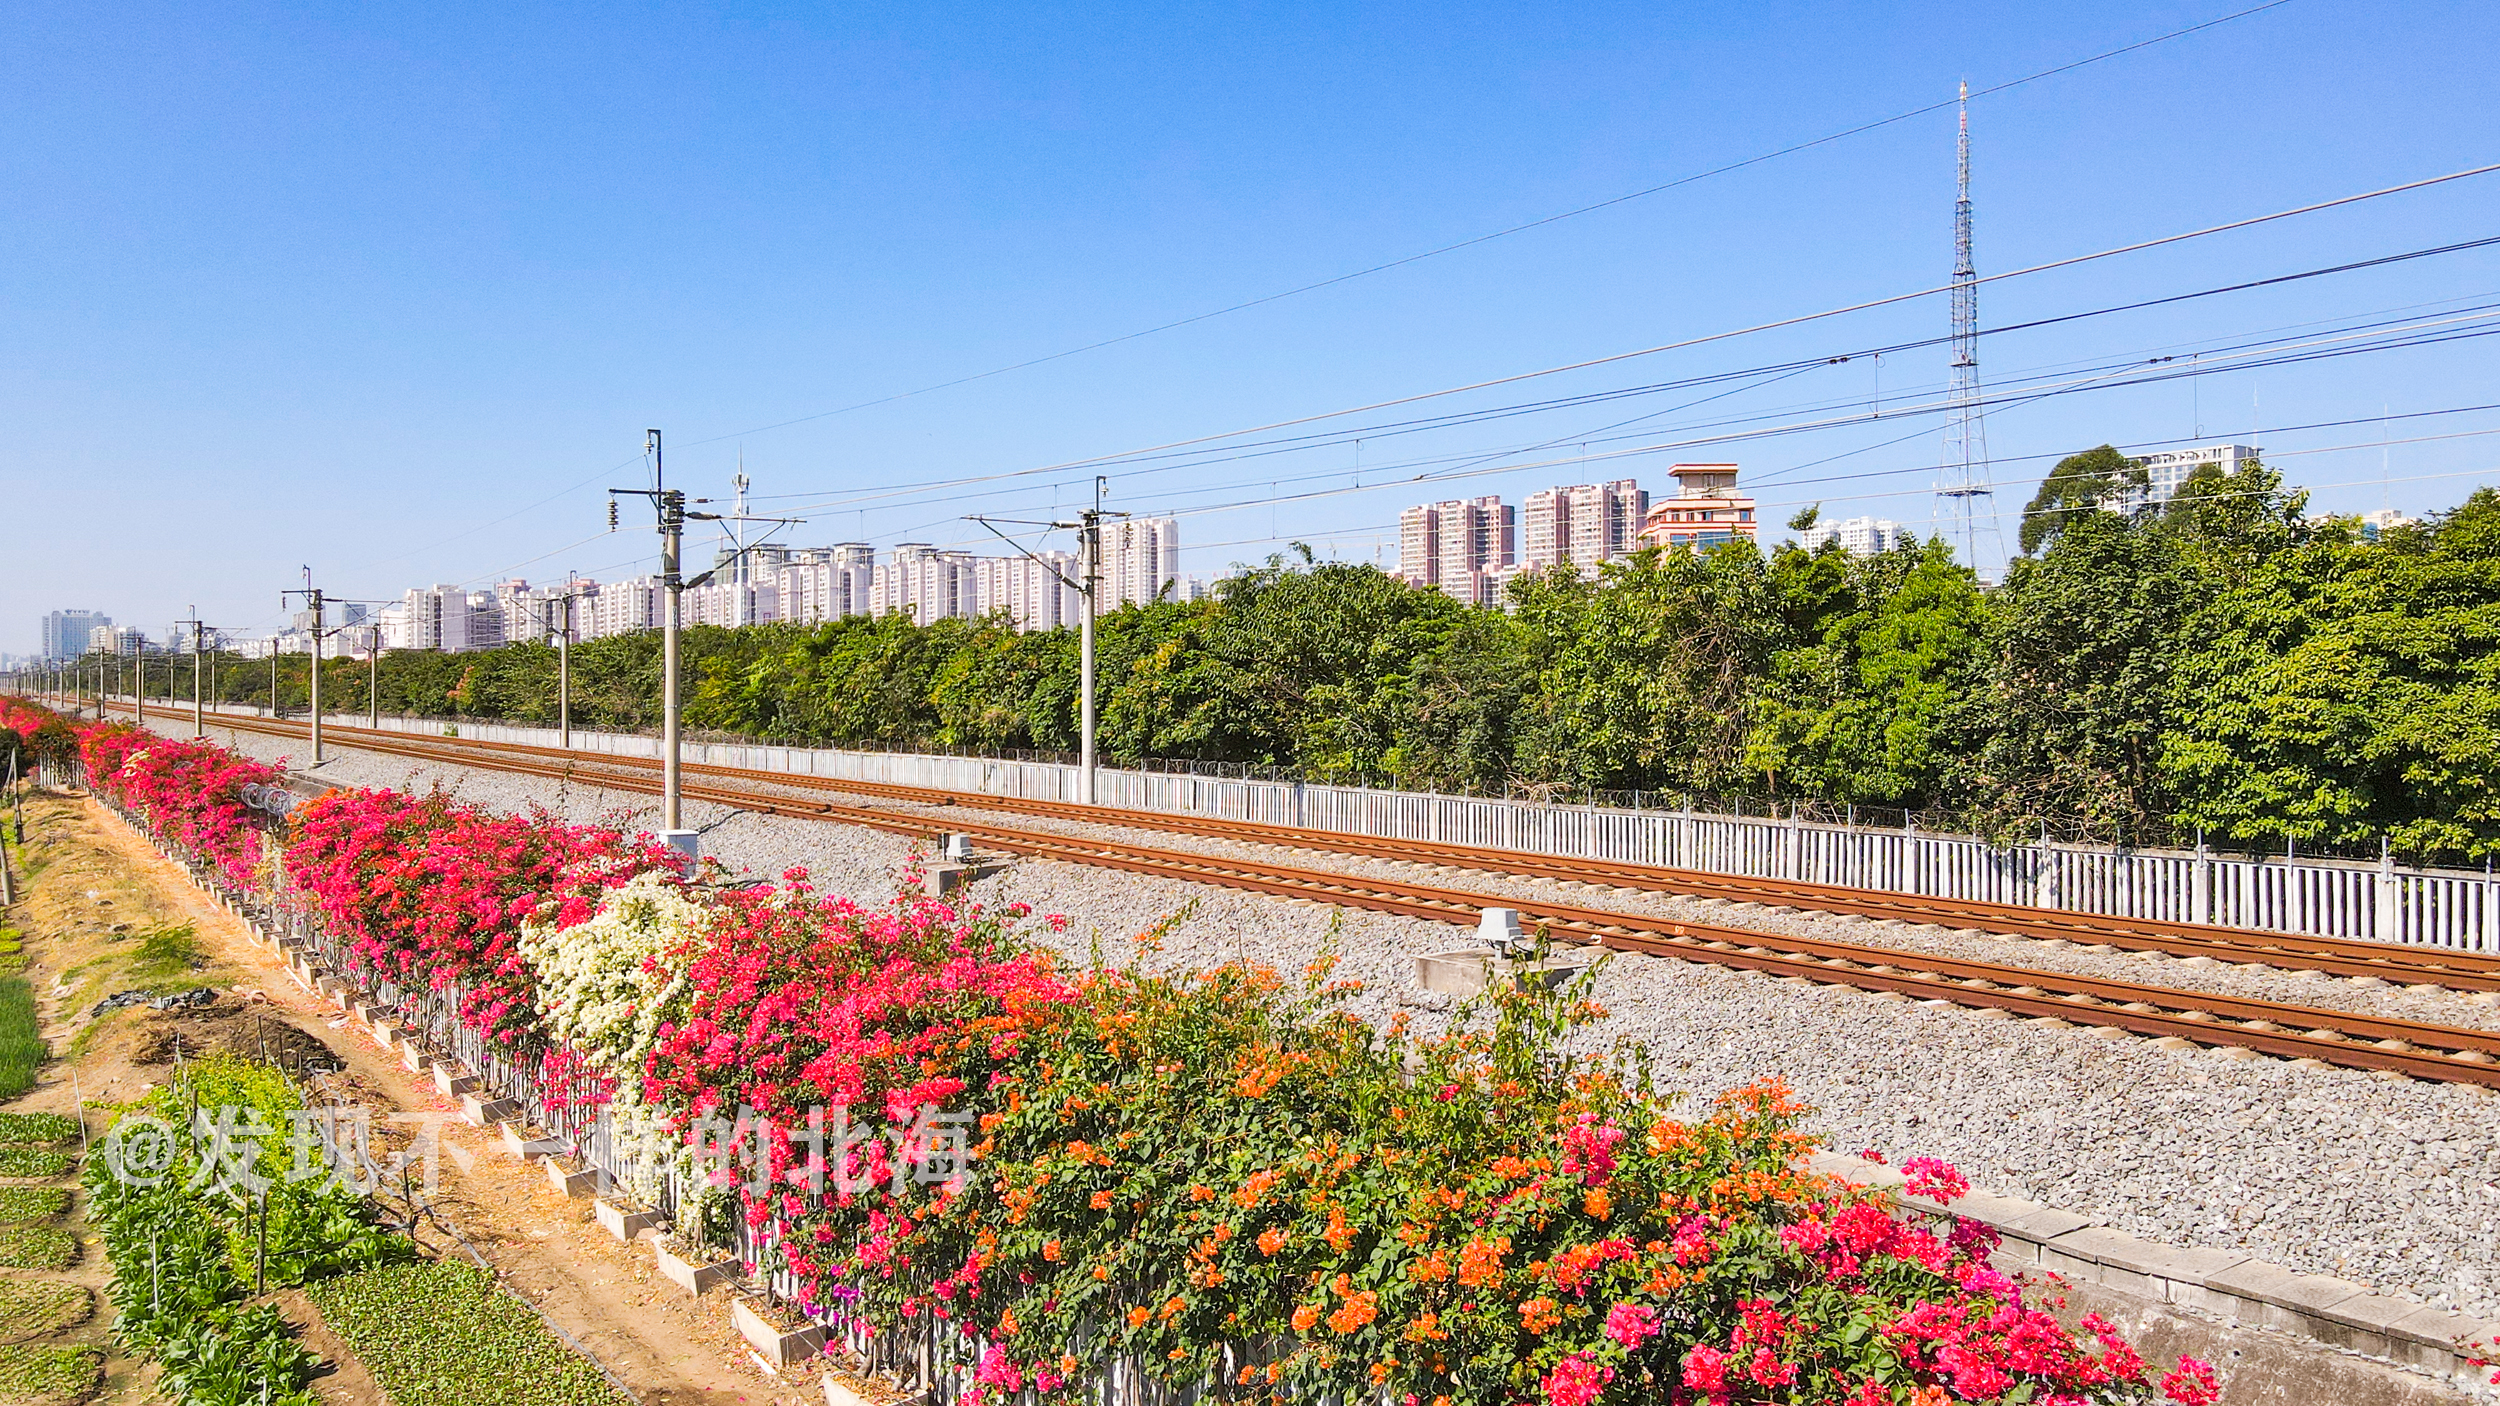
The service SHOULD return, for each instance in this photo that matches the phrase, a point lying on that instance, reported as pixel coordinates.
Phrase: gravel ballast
(2390, 1183)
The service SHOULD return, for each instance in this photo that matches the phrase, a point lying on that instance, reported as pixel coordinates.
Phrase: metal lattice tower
(1968, 491)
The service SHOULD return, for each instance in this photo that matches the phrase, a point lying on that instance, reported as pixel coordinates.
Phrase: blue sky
(368, 290)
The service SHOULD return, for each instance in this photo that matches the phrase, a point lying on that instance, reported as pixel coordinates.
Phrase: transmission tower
(1968, 491)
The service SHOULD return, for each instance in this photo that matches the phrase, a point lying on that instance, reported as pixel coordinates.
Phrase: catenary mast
(1968, 489)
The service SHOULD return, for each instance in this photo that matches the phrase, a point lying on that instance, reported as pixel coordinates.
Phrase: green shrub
(37, 1247)
(32, 1375)
(37, 1308)
(20, 1161)
(25, 1203)
(442, 1334)
(21, 1046)
(37, 1127)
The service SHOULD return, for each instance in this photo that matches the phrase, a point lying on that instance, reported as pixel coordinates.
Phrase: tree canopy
(2216, 661)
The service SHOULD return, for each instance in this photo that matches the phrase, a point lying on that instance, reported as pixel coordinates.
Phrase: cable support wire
(2011, 391)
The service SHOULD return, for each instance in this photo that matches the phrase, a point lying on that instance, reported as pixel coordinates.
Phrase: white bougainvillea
(607, 986)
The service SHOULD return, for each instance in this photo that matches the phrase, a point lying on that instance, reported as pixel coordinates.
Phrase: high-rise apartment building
(2170, 468)
(1858, 536)
(1461, 545)
(1141, 559)
(1584, 524)
(825, 583)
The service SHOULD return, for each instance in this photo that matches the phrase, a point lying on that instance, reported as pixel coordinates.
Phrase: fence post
(2388, 922)
(2044, 878)
(2201, 882)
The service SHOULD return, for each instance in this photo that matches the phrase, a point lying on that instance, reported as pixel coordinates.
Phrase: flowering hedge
(33, 728)
(189, 793)
(433, 893)
(1223, 1176)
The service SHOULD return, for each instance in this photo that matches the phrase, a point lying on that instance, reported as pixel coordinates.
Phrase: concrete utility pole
(199, 671)
(312, 606)
(1088, 588)
(1089, 564)
(564, 666)
(139, 685)
(373, 676)
(670, 505)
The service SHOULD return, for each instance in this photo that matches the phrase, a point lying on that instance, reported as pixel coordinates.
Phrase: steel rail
(2341, 957)
(2414, 1049)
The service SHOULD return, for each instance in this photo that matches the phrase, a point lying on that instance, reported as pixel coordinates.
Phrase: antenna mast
(1967, 475)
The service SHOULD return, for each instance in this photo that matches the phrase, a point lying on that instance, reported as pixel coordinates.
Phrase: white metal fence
(2381, 902)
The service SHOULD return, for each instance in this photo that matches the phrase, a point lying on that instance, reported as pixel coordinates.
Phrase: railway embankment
(2387, 1189)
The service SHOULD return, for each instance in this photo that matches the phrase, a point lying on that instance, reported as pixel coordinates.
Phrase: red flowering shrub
(432, 893)
(38, 733)
(187, 793)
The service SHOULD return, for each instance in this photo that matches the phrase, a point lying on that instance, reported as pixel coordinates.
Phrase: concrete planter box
(486, 1112)
(624, 1222)
(384, 1030)
(696, 1278)
(452, 1085)
(836, 1394)
(415, 1058)
(777, 1348)
(523, 1147)
(570, 1183)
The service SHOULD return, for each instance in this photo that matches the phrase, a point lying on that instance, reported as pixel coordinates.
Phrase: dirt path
(671, 1350)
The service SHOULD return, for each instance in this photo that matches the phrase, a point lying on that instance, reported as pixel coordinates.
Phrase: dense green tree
(1860, 708)
(2080, 486)
(2349, 691)
(2069, 722)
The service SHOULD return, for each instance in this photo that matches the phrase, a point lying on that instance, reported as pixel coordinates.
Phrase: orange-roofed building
(1705, 511)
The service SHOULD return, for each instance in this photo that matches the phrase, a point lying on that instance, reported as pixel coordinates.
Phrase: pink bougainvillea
(187, 793)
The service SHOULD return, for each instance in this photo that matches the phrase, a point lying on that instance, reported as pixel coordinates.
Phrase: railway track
(2390, 962)
(2414, 1049)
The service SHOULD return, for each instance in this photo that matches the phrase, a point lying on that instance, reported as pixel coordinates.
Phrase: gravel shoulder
(2390, 1183)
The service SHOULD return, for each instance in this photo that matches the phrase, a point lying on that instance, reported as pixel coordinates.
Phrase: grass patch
(32, 1375)
(37, 1127)
(37, 1247)
(165, 953)
(21, 1048)
(35, 1308)
(443, 1335)
(22, 1161)
(25, 1203)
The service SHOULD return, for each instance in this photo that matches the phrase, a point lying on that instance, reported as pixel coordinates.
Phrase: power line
(2071, 261)
(2014, 391)
(1471, 242)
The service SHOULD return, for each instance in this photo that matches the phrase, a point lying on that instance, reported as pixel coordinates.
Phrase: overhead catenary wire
(1539, 223)
(1994, 398)
(2070, 261)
